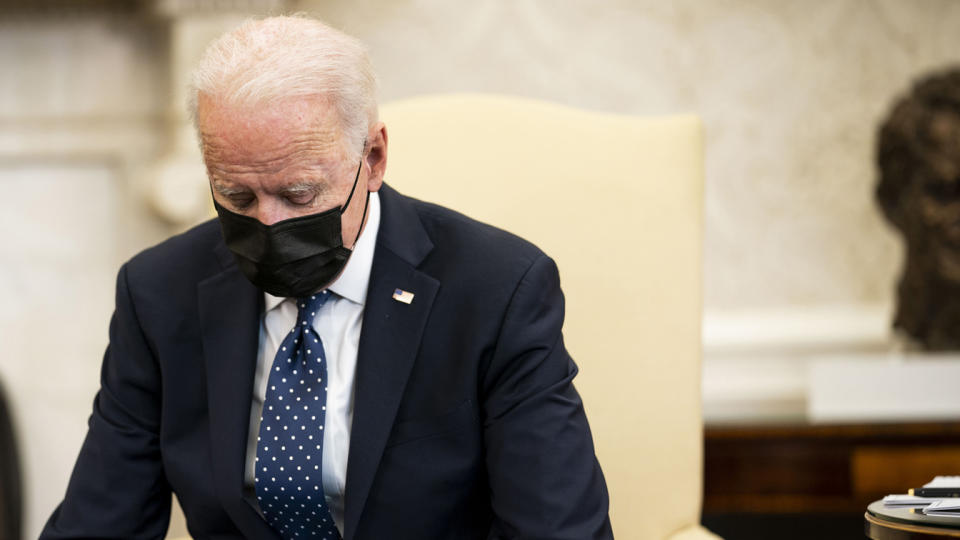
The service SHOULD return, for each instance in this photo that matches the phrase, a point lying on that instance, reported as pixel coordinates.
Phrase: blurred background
(812, 404)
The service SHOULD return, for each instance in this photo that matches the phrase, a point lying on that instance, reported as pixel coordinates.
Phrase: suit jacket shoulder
(193, 253)
(466, 249)
(163, 279)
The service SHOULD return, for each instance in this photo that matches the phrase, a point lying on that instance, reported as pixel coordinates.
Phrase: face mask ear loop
(362, 219)
(355, 179)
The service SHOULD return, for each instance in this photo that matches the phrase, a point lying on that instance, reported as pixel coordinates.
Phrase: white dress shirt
(338, 324)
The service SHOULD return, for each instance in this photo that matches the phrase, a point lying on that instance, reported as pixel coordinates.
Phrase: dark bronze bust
(919, 191)
(11, 503)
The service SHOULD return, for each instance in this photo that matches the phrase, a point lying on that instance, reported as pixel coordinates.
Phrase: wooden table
(892, 523)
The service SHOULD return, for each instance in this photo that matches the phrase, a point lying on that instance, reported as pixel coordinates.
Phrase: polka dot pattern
(288, 479)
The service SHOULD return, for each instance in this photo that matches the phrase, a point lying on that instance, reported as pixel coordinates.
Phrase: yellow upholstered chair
(617, 202)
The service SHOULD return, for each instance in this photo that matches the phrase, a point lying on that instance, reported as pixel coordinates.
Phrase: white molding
(797, 329)
(884, 388)
(75, 138)
(181, 8)
(757, 363)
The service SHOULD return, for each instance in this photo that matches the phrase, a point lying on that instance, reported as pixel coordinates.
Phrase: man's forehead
(306, 122)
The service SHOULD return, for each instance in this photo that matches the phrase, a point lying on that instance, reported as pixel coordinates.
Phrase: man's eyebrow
(294, 188)
(301, 187)
(226, 190)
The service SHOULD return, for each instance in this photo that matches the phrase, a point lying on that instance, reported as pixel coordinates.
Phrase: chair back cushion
(617, 202)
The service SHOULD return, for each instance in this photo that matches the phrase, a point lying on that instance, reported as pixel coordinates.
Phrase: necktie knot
(308, 306)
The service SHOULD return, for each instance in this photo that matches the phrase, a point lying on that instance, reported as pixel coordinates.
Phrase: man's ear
(377, 156)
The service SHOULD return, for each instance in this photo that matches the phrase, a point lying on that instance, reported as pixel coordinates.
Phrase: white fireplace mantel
(821, 364)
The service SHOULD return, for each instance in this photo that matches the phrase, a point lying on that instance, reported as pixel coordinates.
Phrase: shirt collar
(355, 278)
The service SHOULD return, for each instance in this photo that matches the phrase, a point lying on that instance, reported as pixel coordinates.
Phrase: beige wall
(790, 92)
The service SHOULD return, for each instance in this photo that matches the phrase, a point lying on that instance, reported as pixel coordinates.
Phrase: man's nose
(270, 211)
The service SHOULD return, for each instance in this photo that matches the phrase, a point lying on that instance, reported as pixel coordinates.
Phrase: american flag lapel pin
(401, 295)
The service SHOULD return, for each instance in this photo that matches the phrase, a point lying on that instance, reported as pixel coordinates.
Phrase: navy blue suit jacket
(466, 422)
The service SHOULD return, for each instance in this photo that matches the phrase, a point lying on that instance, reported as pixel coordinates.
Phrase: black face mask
(292, 258)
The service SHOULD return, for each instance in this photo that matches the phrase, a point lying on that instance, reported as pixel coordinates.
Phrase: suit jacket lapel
(389, 341)
(230, 309)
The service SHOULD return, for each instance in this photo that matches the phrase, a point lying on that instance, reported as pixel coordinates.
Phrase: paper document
(943, 507)
(944, 482)
(907, 500)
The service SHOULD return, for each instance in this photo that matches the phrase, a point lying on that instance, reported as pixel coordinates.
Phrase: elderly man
(330, 357)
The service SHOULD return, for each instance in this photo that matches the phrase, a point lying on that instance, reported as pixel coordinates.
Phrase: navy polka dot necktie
(289, 464)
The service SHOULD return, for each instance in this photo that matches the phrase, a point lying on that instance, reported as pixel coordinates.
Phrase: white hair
(287, 57)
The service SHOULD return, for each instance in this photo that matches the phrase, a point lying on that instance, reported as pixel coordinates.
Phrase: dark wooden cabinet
(760, 478)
